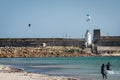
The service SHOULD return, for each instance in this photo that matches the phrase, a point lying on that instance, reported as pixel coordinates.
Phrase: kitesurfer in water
(108, 66)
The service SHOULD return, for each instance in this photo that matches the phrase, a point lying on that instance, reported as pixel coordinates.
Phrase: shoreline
(11, 73)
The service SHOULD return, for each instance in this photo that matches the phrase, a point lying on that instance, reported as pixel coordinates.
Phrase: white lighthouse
(88, 40)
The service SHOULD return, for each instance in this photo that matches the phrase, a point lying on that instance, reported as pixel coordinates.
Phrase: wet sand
(10, 73)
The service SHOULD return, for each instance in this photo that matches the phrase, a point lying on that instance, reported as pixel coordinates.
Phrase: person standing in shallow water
(103, 72)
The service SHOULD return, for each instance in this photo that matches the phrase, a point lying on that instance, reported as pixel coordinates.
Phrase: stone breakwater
(42, 52)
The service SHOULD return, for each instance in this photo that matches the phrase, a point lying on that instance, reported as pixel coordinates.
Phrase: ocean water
(78, 67)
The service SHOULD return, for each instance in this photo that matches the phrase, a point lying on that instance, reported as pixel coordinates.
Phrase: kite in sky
(89, 18)
(29, 25)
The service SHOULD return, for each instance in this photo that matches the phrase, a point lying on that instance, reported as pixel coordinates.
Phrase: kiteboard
(109, 71)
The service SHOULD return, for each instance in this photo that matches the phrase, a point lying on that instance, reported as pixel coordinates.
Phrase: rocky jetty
(43, 52)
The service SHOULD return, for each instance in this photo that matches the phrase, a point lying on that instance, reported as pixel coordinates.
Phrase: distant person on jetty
(104, 75)
(108, 66)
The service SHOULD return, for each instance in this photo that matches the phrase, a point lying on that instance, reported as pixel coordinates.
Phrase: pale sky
(58, 18)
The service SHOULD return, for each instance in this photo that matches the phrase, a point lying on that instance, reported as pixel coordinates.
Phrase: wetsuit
(108, 66)
(103, 72)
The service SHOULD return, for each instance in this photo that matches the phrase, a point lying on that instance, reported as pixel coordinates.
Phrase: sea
(77, 67)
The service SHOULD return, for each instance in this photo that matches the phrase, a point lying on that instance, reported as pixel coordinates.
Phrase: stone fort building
(37, 42)
(103, 44)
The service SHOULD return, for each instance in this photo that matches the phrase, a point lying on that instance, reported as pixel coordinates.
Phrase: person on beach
(108, 66)
(104, 75)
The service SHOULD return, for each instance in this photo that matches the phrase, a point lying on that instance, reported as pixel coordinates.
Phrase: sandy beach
(10, 73)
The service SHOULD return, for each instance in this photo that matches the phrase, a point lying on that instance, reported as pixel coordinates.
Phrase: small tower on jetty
(88, 40)
(96, 35)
